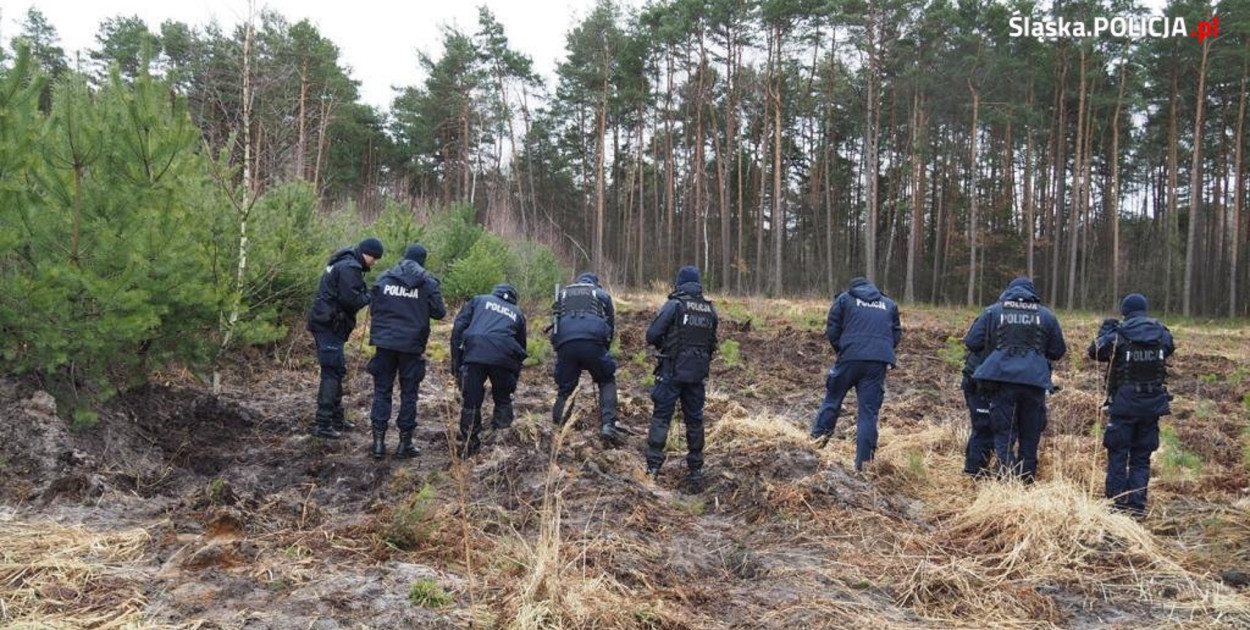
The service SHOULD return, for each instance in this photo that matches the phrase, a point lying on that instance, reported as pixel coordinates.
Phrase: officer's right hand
(1108, 326)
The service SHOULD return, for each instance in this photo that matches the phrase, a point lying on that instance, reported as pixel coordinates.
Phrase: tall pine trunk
(972, 195)
(1195, 184)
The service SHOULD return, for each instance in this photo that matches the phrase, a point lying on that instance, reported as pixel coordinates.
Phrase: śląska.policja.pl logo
(1131, 27)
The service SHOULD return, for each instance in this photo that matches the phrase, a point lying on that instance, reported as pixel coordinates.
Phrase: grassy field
(179, 510)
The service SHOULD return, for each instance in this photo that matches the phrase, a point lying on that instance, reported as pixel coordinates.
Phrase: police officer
(1138, 349)
(341, 294)
(1019, 338)
(584, 321)
(487, 341)
(405, 298)
(980, 446)
(863, 328)
(685, 333)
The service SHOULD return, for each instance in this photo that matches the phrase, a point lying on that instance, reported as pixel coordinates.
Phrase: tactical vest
(1019, 327)
(579, 300)
(693, 327)
(1139, 363)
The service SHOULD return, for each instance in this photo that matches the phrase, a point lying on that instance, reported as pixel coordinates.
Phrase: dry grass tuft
(52, 575)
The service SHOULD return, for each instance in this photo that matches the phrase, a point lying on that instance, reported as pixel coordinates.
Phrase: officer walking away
(1019, 337)
(405, 298)
(1138, 349)
(583, 323)
(341, 294)
(863, 328)
(981, 438)
(487, 341)
(685, 333)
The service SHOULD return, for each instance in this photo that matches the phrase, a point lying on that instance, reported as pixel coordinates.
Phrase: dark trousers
(385, 366)
(583, 354)
(981, 439)
(333, 368)
(665, 395)
(1130, 440)
(473, 377)
(1017, 413)
(868, 379)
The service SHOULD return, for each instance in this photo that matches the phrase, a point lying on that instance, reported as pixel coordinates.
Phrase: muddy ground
(182, 509)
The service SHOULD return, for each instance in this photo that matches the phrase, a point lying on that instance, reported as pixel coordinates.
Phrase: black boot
(326, 393)
(405, 450)
(607, 416)
(694, 481)
(657, 439)
(557, 410)
(502, 417)
(338, 422)
(470, 427)
(379, 444)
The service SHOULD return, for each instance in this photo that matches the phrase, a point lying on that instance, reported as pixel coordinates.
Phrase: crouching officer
(405, 298)
(584, 321)
(341, 294)
(1138, 349)
(1019, 337)
(487, 341)
(685, 333)
(981, 438)
(863, 328)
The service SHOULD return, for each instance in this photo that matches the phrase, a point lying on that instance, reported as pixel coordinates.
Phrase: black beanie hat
(370, 246)
(416, 253)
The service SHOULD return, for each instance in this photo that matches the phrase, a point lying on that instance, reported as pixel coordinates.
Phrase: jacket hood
(1020, 290)
(862, 289)
(693, 289)
(588, 278)
(407, 273)
(505, 292)
(1141, 329)
(347, 253)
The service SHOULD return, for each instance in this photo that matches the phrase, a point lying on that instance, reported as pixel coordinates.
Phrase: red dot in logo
(1193, 33)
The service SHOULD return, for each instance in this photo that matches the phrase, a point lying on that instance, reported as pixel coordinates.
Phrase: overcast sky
(379, 39)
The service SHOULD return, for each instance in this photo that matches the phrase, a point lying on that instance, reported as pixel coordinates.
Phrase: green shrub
(479, 271)
(953, 352)
(397, 228)
(426, 593)
(535, 271)
(537, 347)
(413, 521)
(1176, 461)
(452, 234)
(728, 351)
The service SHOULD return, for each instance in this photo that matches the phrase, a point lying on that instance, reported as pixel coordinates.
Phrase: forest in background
(167, 192)
(783, 145)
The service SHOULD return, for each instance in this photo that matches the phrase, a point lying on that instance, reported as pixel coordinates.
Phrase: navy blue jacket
(405, 298)
(863, 325)
(588, 326)
(690, 365)
(1000, 365)
(341, 294)
(489, 330)
(1126, 400)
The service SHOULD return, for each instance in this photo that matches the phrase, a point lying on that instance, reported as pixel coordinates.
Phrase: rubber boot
(557, 410)
(470, 426)
(502, 417)
(379, 444)
(694, 481)
(326, 394)
(657, 439)
(338, 422)
(405, 450)
(607, 416)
